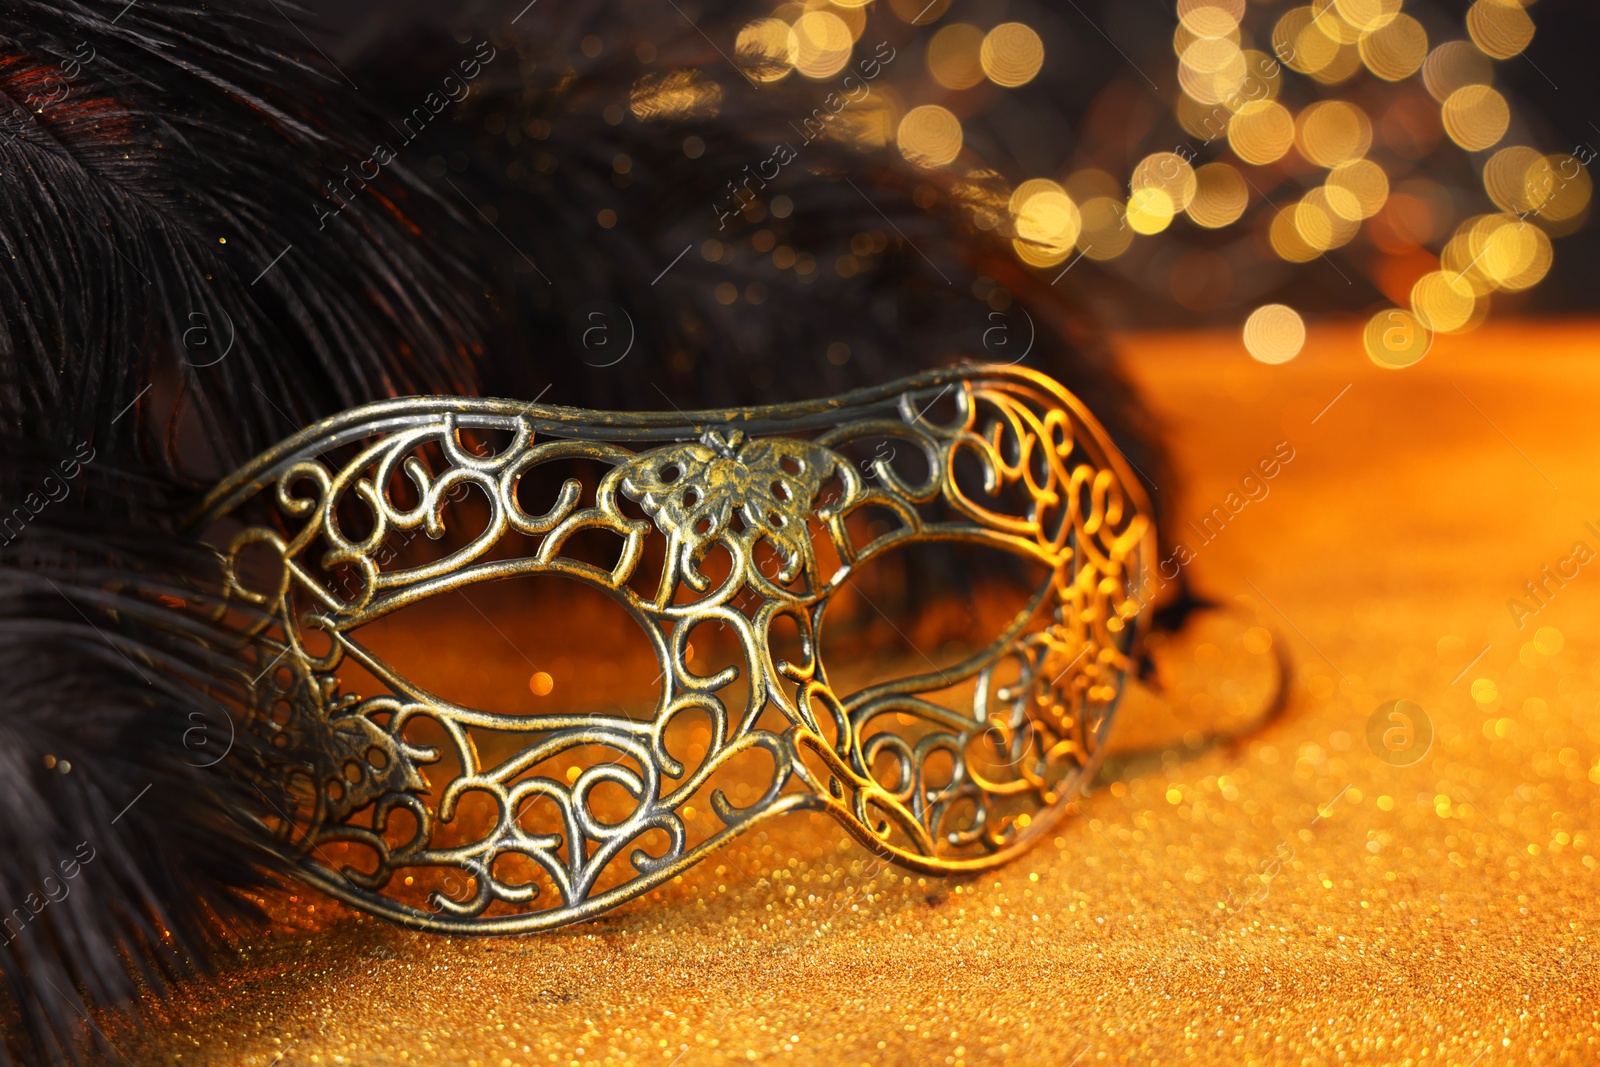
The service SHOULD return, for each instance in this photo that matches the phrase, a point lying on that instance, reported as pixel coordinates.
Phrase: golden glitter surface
(1400, 869)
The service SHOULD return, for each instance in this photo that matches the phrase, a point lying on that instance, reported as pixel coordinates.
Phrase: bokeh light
(1274, 333)
(1220, 196)
(1212, 69)
(1360, 179)
(1047, 222)
(1284, 235)
(919, 12)
(854, 15)
(1330, 132)
(1319, 225)
(1210, 18)
(1559, 187)
(1011, 54)
(1455, 65)
(1091, 182)
(1357, 189)
(1168, 172)
(1302, 43)
(763, 48)
(1394, 339)
(1499, 27)
(1261, 132)
(1476, 117)
(820, 45)
(1461, 258)
(1506, 178)
(1150, 210)
(929, 136)
(1327, 17)
(1367, 16)
(1509, 253)
(953, 56)
(1443, 301)
(1395, 51)
(1105, 234)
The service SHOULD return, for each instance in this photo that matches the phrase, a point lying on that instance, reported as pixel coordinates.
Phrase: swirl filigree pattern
(954, 769)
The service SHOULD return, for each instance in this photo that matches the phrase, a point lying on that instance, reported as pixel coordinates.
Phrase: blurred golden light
(1182, 38)
(763, 49)
(1357, 189)
(1330, 132)
(1105, 234)
(1397, 50)
(1475, 117)
(1328, 18)
(1346, 62)
(1319, 225)
(1443, 301)
(919, 12)
(929, 136)
(1455, 65)
(1196, 13)
(1212, 70)
(1265, 79)
(1150, 210)
(1506, 178)
(1312, 222)
(1286, 240)
(1086, 184)
(1302, 43)
(1261, 132)
(820, 44)
(1274, 333)
(1499, 27)
(1170, 173)
(850, 3)
(1012, 54)
(1395, 339)
(1501, 251)
(1368, 16)
(1461, 258)
(1534, 262)
(1511, 251)
(853, 14)
(1210, 18)
(1205, 121)
(1047, 222)
(1559, 187)
(1220, 196)
(953, 56)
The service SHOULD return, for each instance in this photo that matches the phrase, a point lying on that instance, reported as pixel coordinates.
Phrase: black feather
(165, 171)
(128, 840)
(157, 159)
(177, 186)
(885, 267)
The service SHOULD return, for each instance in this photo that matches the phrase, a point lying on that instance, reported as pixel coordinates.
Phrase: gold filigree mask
(754, 519)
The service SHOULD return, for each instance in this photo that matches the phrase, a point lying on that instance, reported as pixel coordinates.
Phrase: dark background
(1553, 90)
